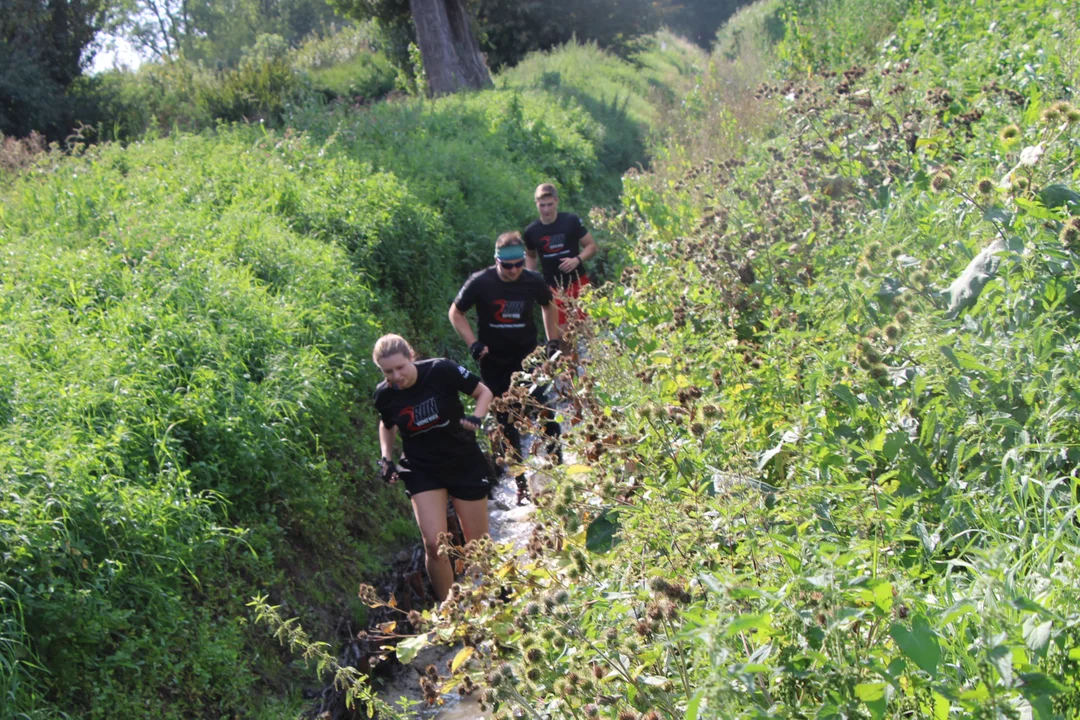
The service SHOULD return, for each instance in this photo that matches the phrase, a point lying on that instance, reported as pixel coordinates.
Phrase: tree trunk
(451, 54)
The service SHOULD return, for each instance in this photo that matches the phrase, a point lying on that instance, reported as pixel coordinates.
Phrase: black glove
(553, 347)
(478, 422)
(386, 465)
(476, 350)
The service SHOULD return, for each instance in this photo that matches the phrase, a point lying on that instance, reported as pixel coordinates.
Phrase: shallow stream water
(508, 523)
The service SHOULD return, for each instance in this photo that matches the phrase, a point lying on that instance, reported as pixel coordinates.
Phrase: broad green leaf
(1036, 634)
(1001, 658)
(742, 623)
(876, 696)
(999, 214)
(883, 596)
(1054, 196)
(844, 393)
(1039, 685)
(602, 533)
(941, 707)
(406, 650)
(920, 643)
(870, 691)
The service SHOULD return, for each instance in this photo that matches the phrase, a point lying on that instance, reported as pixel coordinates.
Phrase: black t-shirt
(561, 239)
(504, 310)
(428, 415)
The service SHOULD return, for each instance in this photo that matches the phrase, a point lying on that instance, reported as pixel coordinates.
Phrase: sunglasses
(511, 265)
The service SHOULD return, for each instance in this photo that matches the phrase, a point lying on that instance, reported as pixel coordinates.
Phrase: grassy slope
(812, 490)
(185, 324)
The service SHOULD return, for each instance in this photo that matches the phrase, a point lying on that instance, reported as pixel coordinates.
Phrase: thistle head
(1070, 236)
(1009, 133)
(940, 181)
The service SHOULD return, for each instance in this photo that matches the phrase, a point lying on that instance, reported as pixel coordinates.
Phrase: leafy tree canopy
(44, 47)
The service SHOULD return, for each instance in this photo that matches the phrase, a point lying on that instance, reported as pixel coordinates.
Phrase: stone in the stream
(539, 482)
(520, 514)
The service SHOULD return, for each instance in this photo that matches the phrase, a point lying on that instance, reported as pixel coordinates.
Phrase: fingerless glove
(386, 465)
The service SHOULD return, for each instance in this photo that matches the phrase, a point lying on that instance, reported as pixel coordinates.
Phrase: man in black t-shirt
(505, 295)
(560, 244)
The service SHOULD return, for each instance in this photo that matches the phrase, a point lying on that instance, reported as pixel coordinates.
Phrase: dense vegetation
(828, 443)
(208, 61)
(185, 324)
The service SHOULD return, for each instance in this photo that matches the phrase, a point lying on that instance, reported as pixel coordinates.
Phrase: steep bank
(185, 324)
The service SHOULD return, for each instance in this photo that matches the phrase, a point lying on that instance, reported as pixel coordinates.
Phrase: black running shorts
(472, 482)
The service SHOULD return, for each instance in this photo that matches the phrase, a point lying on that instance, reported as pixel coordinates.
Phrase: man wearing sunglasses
(505, 295)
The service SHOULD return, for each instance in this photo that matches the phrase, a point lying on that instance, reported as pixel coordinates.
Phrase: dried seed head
(1009, 133)
(892, 331)
(985, 186)
(940, 182)
(1070, 236)
(1051, 115)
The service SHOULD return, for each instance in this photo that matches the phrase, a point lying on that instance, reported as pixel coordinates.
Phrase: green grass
(185, 326)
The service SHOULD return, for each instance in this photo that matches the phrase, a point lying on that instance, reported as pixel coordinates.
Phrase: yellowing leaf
(578, 470)
(462, 655)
